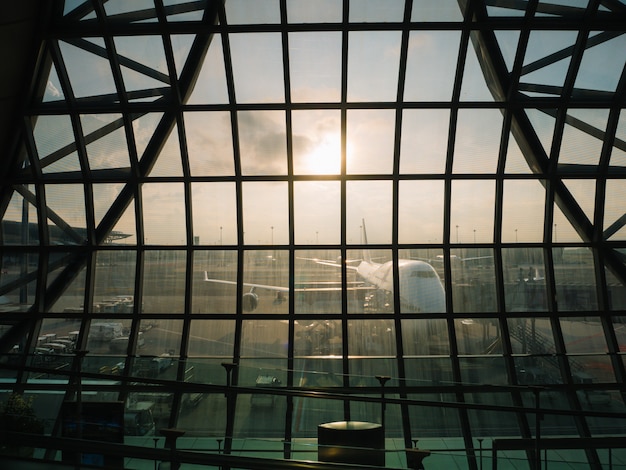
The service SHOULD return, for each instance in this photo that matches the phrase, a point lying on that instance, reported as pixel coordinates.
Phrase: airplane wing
(327, 286)
(334, 264)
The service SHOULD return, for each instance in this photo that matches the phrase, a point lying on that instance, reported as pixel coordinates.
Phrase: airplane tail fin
(366, 252)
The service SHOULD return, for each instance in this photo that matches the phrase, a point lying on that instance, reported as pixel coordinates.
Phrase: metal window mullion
(288, 425)
(405, 414)
(345, 35)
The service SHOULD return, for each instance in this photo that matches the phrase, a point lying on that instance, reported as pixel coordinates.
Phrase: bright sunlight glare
(325, 158)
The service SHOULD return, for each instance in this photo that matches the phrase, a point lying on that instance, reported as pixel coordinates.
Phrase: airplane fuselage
(421, 289)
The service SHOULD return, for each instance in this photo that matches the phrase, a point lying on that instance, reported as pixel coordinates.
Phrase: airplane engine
(250, 301)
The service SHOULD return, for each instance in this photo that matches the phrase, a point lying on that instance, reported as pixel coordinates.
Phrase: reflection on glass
(525, 288)
(318, 285)
(214, 287)
(370, 338)
(427, 337)
(73, 297)
(266, 281)
(473, 280)
(317, 338)
(532, 336)
(574, 278)
(477, 336)
(264, 339)
(211, 338)
(164, 282)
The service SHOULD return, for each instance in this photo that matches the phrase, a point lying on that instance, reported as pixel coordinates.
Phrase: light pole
(272, 227)
(474, 236)
(457, 234)
(515, 235)
(221, 239)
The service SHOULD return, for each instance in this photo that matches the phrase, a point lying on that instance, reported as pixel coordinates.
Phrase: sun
(325, 157)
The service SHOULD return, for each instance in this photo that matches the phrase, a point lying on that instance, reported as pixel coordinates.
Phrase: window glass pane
(89, 73)
(425, 338)
(370, 338)
(318, 338)
(540, 45)
(614, 209)
(370, 136)
(534, 337)
(524, 280)
(264, 339)
(109, 150)
(443, 10)
(363, 11)
(373, 61)
(374, 271)
(368, 201)
(19, 222)
(574, 276)
(252, 11)
(583, 335)
(66, 215)
(421, 286)
(209, 143)
(317, 212)
(318, 283)
(164, 282)
(210, 88)
(73, 297)
(214, 288)
(214, 213)
(51, 134)
(472, 211)
(473, 280)
(523, 211)
(420, 211)
(164, 213)
(474, 87)
(322, 11)
(144, 65)
(257, 67)
(578, 146)
(600, 69)
(316, 142)
(315, 66)
(114, 284)
(424, 140)
(262, 142)
(266, 281)
(478, 336)
(477, 143)
(265, 213)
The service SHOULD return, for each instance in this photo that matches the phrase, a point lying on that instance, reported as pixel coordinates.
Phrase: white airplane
(421, 289)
